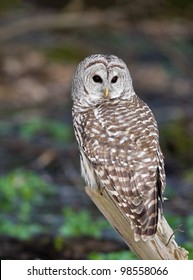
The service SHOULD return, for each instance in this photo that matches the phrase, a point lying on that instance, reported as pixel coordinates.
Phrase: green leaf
(120, 255)
(81, 223)
(21, 192)
(53, 129)
(189, 225)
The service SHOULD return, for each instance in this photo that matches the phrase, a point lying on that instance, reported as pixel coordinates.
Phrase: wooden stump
(161, 247)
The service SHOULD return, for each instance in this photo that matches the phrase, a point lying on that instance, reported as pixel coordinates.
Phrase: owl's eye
(97, 79)
(114, 79)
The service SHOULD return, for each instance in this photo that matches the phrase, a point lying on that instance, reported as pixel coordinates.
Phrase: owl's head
(100, 78)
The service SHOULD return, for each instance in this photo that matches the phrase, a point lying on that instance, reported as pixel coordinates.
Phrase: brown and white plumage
(118, 141)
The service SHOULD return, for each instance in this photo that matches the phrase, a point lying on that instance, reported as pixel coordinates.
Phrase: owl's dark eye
(97, 79)
(114, 79)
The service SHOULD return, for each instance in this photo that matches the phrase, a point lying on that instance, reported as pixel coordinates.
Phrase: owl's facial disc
(104, 83)
(116, 81)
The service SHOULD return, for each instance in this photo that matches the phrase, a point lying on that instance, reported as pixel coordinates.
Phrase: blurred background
(44, 212)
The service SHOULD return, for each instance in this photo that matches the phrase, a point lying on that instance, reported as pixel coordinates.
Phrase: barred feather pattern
(119, 151)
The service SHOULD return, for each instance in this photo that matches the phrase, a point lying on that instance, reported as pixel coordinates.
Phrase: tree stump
(161, 247)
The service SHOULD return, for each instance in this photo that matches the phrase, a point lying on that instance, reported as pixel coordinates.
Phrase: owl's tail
(146, 227)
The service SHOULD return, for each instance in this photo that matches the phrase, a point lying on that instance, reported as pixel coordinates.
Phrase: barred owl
(118, 141)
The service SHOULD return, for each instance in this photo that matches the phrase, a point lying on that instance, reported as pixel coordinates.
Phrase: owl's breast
(116, 118)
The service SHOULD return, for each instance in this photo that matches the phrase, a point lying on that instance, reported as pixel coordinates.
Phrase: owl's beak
(106, 92)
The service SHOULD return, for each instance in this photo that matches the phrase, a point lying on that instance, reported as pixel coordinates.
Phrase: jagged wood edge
(162, 247)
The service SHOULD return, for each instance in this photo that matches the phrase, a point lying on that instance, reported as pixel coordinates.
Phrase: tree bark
(161, 247)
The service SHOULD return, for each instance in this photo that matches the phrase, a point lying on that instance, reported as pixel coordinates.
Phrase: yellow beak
(106, 92)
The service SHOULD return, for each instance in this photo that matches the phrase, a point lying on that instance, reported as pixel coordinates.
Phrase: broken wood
(161, 247)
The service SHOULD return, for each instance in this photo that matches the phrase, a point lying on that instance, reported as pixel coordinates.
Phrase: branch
(114, 18)
(53, 21)
(161, 247)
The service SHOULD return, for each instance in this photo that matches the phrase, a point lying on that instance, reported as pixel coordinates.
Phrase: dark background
(44, 212)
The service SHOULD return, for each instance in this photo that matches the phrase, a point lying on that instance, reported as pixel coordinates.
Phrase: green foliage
(38, 128)
(9, 4)
(178, 141)
(180, 4)
(189, 247)
(20, 230)
(81, 223)
(120, 255)
(59, 243)
(189, 225)
(188, 175)
(21, 192)
(51, 128)
(174, 221)
(67, 53)
(169, 192)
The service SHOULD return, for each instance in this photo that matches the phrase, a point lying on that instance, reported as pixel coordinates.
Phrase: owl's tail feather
(140, 234)
(147, 229)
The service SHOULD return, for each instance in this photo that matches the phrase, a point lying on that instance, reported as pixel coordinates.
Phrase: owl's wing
(128, 163)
